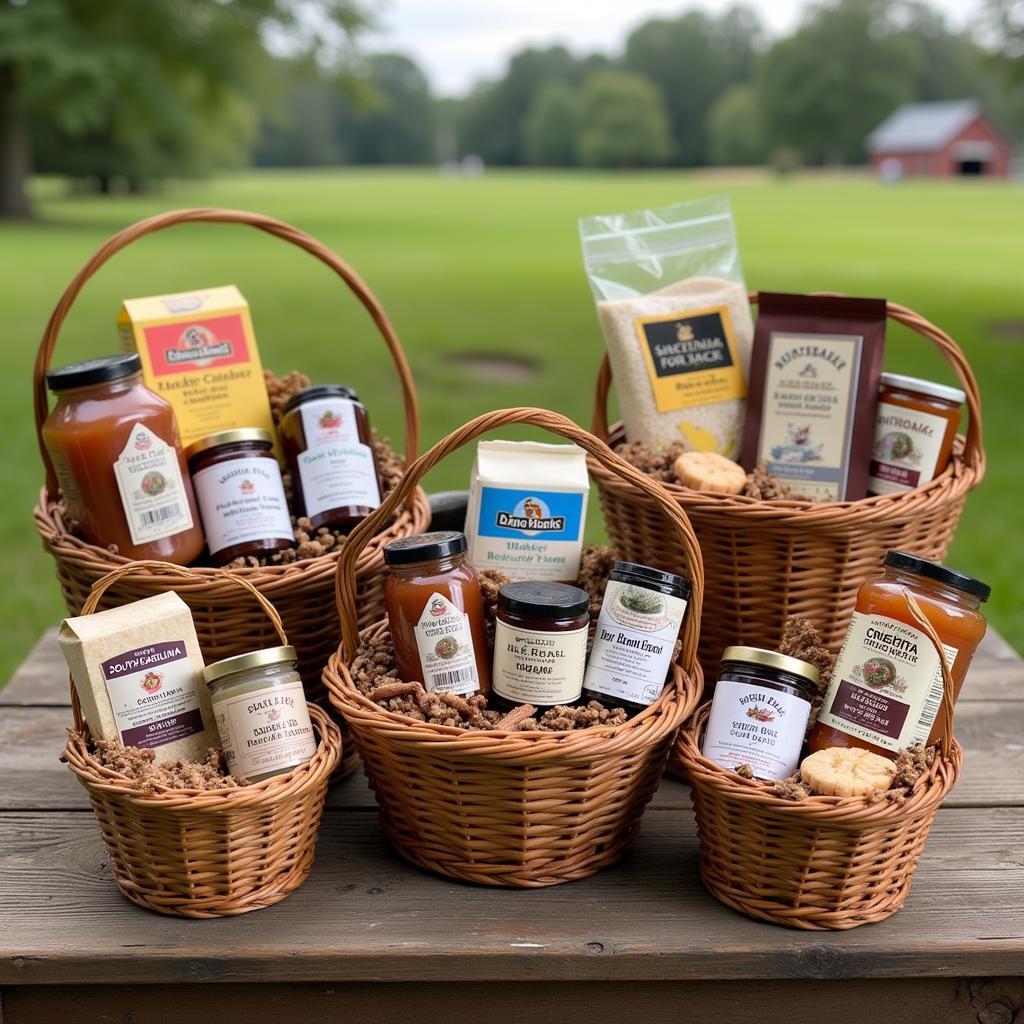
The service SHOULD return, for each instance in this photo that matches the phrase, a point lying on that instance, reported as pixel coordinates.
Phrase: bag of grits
(676, 320)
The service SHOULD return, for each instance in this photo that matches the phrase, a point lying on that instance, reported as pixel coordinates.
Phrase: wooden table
(369, 938)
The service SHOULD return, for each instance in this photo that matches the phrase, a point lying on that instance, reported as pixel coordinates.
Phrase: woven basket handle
(102, 585)
(278, 228)
(345, 583)
(946, 708)
(974, 455)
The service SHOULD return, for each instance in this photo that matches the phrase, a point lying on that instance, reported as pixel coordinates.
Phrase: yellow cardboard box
(198, 351)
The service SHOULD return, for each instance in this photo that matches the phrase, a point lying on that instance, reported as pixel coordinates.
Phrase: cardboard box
(199, 351)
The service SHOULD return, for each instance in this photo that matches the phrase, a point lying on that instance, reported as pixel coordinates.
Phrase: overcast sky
(458, 42)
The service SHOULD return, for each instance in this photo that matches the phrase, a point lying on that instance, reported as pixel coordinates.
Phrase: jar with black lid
(540, 644)
(641, 615)
(328, 446)
(760, 710)
(240, 494)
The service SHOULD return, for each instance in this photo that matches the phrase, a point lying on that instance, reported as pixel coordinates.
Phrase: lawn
(492, 266)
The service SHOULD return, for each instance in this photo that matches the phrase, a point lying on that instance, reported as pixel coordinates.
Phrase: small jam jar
(260, 708)
(540, 644)
(887, 685)
(240, 493)
(325, 434)
(436, 613)
(916, 425)
(759, 713)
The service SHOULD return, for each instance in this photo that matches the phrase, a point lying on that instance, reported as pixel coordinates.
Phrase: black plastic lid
(536, 600)
(424, 547)
(938, 572)
(311, 394)
(647, 576)
(94, 371)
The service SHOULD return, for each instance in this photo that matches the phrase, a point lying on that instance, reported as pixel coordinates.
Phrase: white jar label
(152, 490)
(906, 449)
(887, 683)
(636, 635)
(756, 726)
(539, 668)
(265, 731)
(445, 644)
(152, 693)
(242, 500)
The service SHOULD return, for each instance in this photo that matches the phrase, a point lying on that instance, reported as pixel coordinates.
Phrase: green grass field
(493, 265)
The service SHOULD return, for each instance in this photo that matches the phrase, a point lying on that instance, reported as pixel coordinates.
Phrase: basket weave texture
(226, 622)
(520, 809)
(822, 862)
(768, 560)
(214, 853)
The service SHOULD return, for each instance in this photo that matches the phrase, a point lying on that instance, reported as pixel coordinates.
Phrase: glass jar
(887, 686)
(436, 613)
(240, 493)
(916, 425)
(115, 449)
(260, 709)
(636, 634)
(325, 434)
(540, 644)
(759, 712)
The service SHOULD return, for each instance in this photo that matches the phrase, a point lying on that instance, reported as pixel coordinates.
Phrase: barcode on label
(160, 515)
(932, 703)
(450, 680)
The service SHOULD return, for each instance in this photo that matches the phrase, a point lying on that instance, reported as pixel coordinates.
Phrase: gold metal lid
(241, 662)
(772, 659)
(228, 437)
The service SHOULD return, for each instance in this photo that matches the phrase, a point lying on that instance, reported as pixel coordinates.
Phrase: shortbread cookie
(708, 471)
(847, 771)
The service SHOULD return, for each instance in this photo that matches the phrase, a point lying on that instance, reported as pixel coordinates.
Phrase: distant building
(945, 139)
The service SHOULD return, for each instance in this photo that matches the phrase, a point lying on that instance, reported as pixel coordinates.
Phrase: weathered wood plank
(366, 916)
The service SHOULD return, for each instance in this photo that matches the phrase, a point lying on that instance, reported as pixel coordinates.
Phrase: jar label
(336, 469)
(152, 489)
(539, 668)
(152, 693)
(906, 450)
(445, 644)
(887, 683)
(756, 726)
(265, 731)
(633, 646)
(242, 500)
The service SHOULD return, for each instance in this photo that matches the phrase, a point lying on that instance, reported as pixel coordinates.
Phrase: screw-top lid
(241, 662)
(648, 576)
(311, 394)
(772, 659)
(538, 600)
(940, 573)
(424, 547)
(237, 436)
(94, 371)
(925, 387)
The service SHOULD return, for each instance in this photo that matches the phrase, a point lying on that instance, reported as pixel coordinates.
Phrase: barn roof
(922, 127)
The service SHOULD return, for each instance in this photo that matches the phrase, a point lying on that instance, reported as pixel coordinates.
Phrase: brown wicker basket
(302, 592)
(519, 809)
(767, 560)
(206, 854)
(823, 862)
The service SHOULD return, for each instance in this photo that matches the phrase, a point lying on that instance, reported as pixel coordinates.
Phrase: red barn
(946, 138)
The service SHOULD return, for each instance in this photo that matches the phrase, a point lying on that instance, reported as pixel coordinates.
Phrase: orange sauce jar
(115, 449)
(916, 425)
(886, 688)
(436, 613)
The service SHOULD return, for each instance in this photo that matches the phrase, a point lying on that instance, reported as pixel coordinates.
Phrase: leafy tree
(736, 128)
(550, 125)
(623, 122)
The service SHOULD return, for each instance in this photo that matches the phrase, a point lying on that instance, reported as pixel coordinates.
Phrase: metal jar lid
(239, 435)
(772, 659)
(103, 370)
(243, 662)
(924, 387)
(317, 391)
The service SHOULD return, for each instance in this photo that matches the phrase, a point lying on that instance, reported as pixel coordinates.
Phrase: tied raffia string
(948, 689)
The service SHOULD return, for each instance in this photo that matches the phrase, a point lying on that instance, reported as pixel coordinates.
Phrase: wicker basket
(302, 592)
(767, 560)
(206, 854)
(823, 862)
(514, 809)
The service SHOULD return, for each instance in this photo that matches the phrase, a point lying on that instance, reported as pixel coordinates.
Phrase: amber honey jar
(887, 684)
(917, 421)
(436, 613)
(115, 449)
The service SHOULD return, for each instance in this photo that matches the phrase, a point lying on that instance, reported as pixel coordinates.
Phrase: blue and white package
(527, 509)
